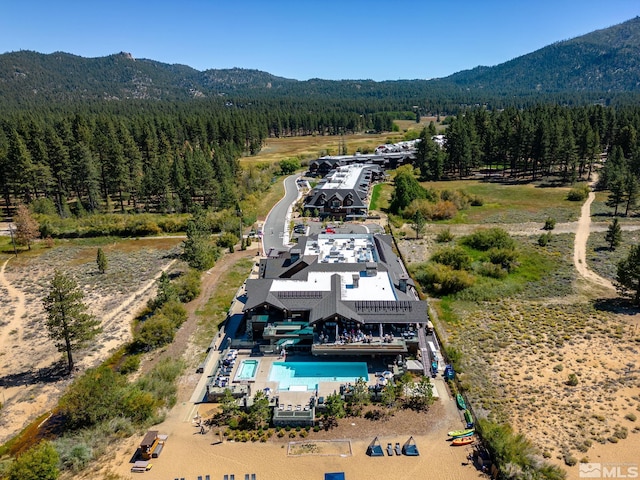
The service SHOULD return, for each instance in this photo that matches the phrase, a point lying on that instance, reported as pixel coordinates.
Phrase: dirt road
(580, 244)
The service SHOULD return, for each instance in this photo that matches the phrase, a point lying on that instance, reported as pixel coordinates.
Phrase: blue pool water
(247, 370)
(308, 374)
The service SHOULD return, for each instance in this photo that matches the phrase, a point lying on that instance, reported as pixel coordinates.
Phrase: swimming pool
(306, 375)
(247, 370)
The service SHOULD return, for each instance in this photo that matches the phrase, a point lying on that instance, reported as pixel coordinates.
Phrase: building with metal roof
(333, 294)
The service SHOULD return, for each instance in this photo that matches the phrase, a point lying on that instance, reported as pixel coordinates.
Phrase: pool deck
(287, 397)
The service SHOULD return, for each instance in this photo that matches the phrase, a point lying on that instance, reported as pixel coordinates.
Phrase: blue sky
(330, 39)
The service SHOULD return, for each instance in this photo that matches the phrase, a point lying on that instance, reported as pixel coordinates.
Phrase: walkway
(580, 244)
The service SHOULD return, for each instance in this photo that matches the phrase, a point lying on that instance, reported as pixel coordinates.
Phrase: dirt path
(580, 244)
(12, 331)
(183, 343)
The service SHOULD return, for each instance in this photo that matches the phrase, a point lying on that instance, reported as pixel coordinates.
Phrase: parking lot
(315, 227)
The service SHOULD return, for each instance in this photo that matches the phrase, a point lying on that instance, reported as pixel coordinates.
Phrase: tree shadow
(602, 249)
(51, 374)
(616, 305)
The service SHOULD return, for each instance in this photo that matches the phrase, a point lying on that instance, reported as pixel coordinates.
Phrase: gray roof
(325, 305)
(314, 199)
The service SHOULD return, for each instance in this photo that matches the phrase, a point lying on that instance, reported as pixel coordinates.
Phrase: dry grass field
(312, 147)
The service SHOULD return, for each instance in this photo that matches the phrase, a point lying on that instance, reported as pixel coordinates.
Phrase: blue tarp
(334, 476)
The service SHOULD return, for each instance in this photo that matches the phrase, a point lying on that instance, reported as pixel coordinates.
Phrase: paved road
(276, 227)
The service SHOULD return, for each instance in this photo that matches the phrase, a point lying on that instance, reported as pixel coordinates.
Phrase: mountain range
(605, 61)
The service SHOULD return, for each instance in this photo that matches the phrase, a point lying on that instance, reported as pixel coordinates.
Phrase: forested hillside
(606, 60)
(603, 66)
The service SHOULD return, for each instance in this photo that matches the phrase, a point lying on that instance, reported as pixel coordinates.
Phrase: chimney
(356, 280)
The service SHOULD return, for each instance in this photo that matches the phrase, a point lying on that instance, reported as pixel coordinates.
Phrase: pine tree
(631, 188)
(26, 226)
(102, 261)
(197, 248)
(628, 277)
(614, 234)
(615, 184)
(418, 223)
(68, 323)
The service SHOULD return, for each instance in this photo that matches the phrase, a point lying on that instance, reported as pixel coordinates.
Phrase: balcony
(374, 347)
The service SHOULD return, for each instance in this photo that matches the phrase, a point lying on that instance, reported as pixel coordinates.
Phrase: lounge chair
(375, 449)
(232, 477)
(390, 449)
(199, 477)
(253, 476)
(246, 476)
(226, 477)
(410, 448)
(398, 449)
(207, 477)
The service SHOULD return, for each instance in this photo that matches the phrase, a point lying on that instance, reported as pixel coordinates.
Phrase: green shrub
(175, 312)
(488, 269)
(477, 201)
(573, 380)
(544, 239)
(172, 224)
(161, 381)
(140, 226)
(455, 257)
(442, 279)
(489, 238)
(136, 404)
(188, 285)
(44, 206)
(92, 398)
(74, 454)
(578, 193)
(155, 332)
(458, 198)
(507, 258)
(130, 364)
(549, 224)
(631, 417)
(37, 463)
(621, 432)
(570, 460)
(227, 240)
(444, 236)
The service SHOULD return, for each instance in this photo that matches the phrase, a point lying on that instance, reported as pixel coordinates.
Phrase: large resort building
(344, 192)
(334, 308)
(344, 189)
(334, 294)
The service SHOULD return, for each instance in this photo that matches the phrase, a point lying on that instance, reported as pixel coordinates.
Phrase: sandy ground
(32, 375)
(189, 454)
